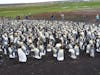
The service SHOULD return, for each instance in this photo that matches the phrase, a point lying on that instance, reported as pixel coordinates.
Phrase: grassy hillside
(55, 7)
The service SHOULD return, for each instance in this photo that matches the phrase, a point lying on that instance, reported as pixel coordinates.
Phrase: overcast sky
(23, 1)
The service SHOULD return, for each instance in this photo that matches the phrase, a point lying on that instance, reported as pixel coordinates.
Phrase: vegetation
(53, 7)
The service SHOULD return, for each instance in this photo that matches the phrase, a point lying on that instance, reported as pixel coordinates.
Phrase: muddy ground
(84, 65)
(87, 15)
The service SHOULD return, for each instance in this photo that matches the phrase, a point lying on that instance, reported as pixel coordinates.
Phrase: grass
(57, 7)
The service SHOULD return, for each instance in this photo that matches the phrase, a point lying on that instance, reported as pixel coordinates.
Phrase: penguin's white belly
(54, 52)
(88, 49)
(97, 45)
(81, 43)
(77, 51)
(42, 51)
(25, 50)
(73, 56)
(11, 53)
(37, 54)
(11, 37)
(92, 53)
(22, 56)
(48, 50)
(60, 56)
(5, 42)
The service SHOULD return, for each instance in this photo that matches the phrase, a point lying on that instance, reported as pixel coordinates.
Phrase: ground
(84, 65)
(78, 15)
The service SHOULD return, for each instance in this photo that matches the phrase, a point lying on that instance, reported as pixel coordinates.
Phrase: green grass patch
(57, 7)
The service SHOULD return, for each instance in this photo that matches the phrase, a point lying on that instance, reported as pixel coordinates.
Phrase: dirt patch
(80, 15)
(48, 65)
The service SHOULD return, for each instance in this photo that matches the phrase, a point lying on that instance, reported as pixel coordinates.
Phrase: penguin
(54, 52)
(42, 50)
(37, 53)
(92, 51)
(73, 54)
(25, 49)
(88, 47)
(1, 55)
(21, 55)
(5, 43)
(11, 37)
(60, 54)
(49, 48)
(77, 51)
(98, 45)
(81, 46)
(12, 54)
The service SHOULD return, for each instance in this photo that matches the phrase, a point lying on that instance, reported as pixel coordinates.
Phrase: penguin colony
(23, 38)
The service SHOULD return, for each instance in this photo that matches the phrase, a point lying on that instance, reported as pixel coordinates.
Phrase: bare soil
(87, 15)
(48, 65)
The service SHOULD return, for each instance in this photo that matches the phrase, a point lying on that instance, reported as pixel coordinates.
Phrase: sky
(23, 1)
